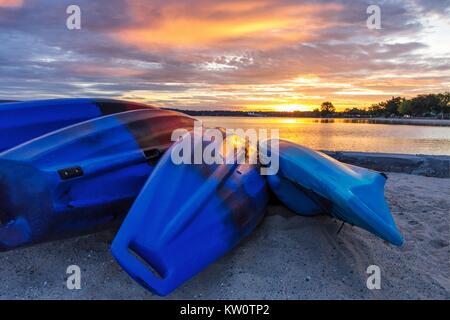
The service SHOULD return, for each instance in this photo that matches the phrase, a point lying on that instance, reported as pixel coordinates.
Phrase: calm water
(340, 136)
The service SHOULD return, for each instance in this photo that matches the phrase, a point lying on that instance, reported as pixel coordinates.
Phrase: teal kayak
(310, 182)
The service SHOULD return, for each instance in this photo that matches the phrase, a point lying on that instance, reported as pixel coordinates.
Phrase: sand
(287, 257)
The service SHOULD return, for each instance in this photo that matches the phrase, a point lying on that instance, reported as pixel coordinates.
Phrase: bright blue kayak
(82, 177)
(186, 217)
(310, 182)
(23, 121)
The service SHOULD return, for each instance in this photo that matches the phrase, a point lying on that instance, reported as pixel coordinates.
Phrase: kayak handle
(139, 271)
(105, 164)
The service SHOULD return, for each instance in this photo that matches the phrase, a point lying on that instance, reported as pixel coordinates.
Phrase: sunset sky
(251, 55)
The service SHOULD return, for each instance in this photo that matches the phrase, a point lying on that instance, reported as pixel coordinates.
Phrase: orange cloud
(11, 3)
(254, 24)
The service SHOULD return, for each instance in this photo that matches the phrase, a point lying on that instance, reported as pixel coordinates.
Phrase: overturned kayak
(186, 217)
(82, 177)
(310, 182)
(23, 121)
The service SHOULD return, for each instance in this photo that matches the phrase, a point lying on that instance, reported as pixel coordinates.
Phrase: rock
(422, 165)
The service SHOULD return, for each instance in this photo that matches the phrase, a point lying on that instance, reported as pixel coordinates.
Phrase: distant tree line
(425, 105)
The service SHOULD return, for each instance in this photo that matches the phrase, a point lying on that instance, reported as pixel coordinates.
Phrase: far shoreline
(394, 121)
(418, 121)
(404, 121)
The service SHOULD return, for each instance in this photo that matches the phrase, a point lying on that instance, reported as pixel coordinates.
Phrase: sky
(225, 55)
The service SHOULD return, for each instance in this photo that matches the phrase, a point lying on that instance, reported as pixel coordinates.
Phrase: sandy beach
(287, 257)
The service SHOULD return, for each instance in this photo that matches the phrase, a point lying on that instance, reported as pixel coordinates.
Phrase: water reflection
(347, 134)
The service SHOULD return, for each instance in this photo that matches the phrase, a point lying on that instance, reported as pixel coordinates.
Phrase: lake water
(340, 135)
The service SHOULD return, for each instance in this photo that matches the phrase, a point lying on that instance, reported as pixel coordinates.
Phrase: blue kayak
(310, 182)
(23, 121)
(186, 217)
(82, 177)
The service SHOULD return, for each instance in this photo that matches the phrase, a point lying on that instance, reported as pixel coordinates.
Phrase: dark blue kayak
(310, 182)
(82, 177)
(23, 121)
(186, 217)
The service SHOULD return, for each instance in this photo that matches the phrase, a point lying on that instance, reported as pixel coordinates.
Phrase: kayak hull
(80, 178)
(293, 197)
(310, 182)
(23, 121)
(186, 217)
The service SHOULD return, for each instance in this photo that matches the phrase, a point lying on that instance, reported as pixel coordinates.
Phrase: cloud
(441, 7)
(227, 24)
(223, 54)
(11, 3)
